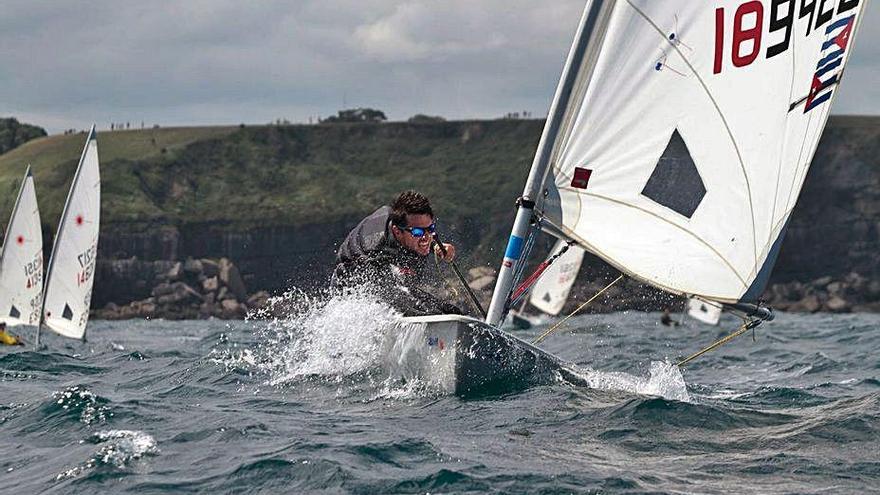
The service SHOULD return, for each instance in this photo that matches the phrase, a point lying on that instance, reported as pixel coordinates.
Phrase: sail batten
(680, 159)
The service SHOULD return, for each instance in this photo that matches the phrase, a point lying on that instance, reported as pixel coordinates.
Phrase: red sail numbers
(747, 27)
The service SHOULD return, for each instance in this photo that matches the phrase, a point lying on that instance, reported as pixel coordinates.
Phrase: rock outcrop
(190, 289)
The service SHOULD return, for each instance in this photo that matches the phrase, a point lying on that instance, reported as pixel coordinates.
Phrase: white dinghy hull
(467, 357)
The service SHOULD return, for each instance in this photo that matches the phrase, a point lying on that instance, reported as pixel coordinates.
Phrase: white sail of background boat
(704, 311)
(675, 148)
(21, 260)
(551, 291)
(71, 268)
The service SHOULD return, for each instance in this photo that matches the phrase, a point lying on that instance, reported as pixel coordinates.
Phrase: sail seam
(620, 267)
(695, 236)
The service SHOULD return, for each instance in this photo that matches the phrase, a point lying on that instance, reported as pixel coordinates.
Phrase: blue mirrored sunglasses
(420, 231)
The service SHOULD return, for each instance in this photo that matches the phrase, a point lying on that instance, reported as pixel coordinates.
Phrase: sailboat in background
(704, 311)
(21, 260)
(675, 149)
(550, 292)
(71, 268)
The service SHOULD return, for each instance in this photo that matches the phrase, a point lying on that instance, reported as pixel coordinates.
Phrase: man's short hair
(409, 203)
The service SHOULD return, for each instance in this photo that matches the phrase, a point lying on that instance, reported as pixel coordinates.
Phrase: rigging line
(582, 306)
(532, 279)
(718, 343)
(467, 288)
(648, 212)
(723, 119)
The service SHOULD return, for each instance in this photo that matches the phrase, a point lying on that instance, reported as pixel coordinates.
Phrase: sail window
(675, 182)
(68, 313)
(14, 312)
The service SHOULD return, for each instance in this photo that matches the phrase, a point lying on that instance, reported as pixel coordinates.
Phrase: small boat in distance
(71, 268)
(21, 260)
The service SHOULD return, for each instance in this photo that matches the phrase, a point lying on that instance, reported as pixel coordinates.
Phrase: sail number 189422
(746, 27)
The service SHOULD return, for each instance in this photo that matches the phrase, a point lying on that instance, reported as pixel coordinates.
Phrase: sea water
(303, 403)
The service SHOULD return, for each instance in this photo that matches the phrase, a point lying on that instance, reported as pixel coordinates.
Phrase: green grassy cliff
(277, 199)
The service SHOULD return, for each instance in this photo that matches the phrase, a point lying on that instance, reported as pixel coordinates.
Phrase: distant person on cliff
(7, 338)
(390, 251)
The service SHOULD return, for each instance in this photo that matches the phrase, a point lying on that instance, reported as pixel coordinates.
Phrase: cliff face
(835, 228)
(278, 200)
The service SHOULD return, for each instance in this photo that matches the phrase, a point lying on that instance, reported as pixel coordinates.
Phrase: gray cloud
(223, 61)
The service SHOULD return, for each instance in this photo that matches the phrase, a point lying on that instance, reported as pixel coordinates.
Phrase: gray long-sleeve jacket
(371, 255)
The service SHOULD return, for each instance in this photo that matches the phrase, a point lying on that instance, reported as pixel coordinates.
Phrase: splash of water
(118, 449)
(664, 380)
(335, 337)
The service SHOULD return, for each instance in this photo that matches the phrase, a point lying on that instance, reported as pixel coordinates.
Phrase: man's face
(418, 245)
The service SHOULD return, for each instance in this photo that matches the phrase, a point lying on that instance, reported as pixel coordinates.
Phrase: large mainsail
(72, 264)
(21, 260)
(551, 290)
(687, 138)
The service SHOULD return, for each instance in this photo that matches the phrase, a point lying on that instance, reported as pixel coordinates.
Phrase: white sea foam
(337, 337)
(664, 380)
(79, 398)
(118, 449)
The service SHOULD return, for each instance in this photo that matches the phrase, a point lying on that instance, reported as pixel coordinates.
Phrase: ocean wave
(118, 448)
(78, 402)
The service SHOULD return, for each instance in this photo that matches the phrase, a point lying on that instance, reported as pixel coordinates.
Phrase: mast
(591, 30)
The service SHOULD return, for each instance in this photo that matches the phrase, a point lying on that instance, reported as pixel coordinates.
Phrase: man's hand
(450, 251)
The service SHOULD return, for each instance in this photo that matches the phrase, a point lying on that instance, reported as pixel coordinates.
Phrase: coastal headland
(274, 200)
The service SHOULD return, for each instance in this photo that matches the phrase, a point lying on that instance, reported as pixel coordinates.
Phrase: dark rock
(837, 304)
(258, 300)
(210, 268)
(162, 289)
(174, 273)
(192, 266)
(809, 304)
(234, 282)
(210, 284)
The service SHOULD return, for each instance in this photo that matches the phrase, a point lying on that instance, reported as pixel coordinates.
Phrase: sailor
(7, 338)
(389, 251)
(666, 319)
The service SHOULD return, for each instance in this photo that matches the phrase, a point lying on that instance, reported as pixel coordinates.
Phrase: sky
(66, 64)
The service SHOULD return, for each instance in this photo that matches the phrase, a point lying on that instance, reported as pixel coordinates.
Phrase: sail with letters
(551, 291)
(21, 260)
(680, 136)
(71, 268)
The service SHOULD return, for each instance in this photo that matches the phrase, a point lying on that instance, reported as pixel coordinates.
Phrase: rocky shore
(851, 293)
(191, 289)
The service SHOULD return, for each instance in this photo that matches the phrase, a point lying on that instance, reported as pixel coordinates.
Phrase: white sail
(705, 311)
(551, 290)
(72, 264)
(21, 260)
(687, 139)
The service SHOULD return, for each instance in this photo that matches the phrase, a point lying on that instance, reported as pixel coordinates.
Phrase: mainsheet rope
(582, 306)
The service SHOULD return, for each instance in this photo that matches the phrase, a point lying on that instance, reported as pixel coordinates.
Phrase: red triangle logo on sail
(19, 240)
(79, 219)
